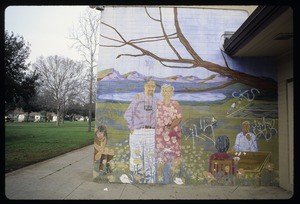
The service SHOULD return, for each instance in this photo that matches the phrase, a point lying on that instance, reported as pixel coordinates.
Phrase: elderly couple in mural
(155, 136)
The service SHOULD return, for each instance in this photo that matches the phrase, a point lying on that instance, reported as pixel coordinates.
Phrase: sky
(46, 28)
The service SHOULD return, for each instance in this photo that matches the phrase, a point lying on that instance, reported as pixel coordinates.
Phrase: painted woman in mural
(168, 137)
(140, 118)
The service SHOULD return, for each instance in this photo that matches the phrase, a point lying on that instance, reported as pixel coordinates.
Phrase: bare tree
(86, 41)
(183, 62)
(60, 79)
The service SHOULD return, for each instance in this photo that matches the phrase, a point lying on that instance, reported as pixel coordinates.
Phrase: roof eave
(261, 17)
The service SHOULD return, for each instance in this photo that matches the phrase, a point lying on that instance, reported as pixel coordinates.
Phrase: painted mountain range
(113, 75)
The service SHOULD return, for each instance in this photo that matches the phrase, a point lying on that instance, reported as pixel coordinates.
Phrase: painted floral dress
(167, 141)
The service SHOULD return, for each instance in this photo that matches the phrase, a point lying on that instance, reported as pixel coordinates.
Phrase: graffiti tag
(249, 95)
(264, 129)
(204, 131)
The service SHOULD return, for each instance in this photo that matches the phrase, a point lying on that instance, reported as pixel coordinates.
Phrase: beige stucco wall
(285, 72)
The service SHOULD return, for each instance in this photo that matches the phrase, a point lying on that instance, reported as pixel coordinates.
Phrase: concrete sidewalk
(69, 177)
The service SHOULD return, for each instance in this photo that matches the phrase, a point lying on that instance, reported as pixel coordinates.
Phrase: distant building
(21, 118)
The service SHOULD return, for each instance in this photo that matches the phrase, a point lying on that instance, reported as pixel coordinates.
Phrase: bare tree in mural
(193, 62)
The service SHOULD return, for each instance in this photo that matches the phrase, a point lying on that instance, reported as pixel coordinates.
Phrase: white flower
(124, 178)
(236, 159)
(178, 181)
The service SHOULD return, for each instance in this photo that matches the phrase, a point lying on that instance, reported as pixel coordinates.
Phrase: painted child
(102, 154)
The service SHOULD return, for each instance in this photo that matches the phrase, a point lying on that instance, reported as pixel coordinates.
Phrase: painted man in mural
(168, 137)
(245, 140)
(140, 118)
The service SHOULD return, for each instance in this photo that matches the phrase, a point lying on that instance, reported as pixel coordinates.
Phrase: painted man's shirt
(141, 112)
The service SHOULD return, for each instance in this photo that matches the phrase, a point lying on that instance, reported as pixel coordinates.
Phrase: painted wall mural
(172, 107)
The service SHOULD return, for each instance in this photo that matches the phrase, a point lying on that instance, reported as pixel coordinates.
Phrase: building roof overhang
(268, 31)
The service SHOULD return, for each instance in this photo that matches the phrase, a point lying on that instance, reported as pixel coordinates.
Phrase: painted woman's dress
(167, 142)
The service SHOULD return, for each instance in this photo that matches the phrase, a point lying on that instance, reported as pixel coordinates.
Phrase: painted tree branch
(144, 52)
(196, 61)
(166, 37)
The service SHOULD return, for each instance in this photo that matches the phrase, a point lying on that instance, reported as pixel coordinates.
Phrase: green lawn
(28, 142)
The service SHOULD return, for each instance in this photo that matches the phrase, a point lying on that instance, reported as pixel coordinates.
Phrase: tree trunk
(58, 116)
(90, 100)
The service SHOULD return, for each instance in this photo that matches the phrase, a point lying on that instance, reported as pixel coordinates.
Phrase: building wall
(286, 151)
(216, 93)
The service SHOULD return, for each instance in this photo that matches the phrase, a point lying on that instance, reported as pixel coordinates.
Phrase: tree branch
(166, 37)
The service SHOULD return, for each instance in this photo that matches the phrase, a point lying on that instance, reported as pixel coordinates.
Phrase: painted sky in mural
(204, 34)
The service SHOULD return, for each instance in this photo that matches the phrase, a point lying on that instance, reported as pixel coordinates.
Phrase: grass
(27, 143)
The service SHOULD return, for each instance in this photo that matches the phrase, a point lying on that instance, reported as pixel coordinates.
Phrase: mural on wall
(172, 107)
